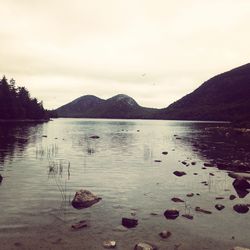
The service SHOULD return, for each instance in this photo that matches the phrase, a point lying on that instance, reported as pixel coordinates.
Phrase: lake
(43, 165)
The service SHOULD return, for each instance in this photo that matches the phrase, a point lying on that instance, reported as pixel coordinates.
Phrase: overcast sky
(153, 50)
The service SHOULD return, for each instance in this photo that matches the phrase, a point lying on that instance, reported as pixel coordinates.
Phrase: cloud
(60, 49)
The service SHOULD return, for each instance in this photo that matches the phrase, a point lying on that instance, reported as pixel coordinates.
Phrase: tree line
(16, 103)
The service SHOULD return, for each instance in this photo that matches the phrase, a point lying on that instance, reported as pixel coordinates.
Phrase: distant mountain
(119, 106)
(223, 97)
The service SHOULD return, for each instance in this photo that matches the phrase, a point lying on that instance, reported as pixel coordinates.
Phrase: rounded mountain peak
(124, 99)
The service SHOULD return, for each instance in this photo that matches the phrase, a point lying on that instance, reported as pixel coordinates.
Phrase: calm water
(43, 165)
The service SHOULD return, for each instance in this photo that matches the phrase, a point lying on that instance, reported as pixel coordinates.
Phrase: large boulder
(241, 183)
(84, 199)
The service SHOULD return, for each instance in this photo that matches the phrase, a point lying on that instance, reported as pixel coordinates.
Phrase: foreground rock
(109, 244)
(165, 234)
(84, 199)
(241, 208)
(129, 223)
(179, 173)
(1, 178)
(171, 214)
(145, 246)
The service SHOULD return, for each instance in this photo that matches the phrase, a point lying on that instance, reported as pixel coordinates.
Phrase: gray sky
(153, 50)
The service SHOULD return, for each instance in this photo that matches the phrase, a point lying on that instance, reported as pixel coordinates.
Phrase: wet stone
(177, 199)
(219, 207)
(129, 222)
(84, 199)
(109, 244)
(165, 234)
(164, 152)
(188, 216)
(190, 195)
(79, 225)
(241, 208)
(171, 214)
(145, 246)
(232, 197)
(179, 173)
(198, 209)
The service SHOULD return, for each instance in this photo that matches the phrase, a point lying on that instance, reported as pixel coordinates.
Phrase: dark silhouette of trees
(16, 103)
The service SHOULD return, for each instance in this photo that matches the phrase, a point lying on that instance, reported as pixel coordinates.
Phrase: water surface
(44, 164)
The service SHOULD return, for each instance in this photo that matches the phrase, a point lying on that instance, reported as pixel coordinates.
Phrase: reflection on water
(45, 164)
(14, 138)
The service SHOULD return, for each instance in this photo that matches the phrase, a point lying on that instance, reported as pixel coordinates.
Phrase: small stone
(193, 163)
(232, 197)
(153, 214)
(80, 224)
(165, 234)
(190, 195)
(145, 246)
(129, 223)
(177, 199)
(207, 164)
(184, 162)
(241, 208)
(94, 137)
(211, 174)
(195, 173)
(164, 152)
(198, 209)
(219, 207)
(179, 173)
(203, 168)
(133, 213)
(188, 216)
(157, 160)
(219, 198)
(1, 178)
(109, 244)
(171, 214)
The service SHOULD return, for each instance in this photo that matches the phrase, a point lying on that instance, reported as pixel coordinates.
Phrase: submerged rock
(94, 137)
(165, 234)
(198, 209)
(241, 208)
(207, 164)
(179, 173)
(219, 207)
(188, 216)
(177, 199)
(145, 246)
(80, 224)
(232, 197)
(109, 244)
(129, 223)
(171, 214)
(84, 199)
